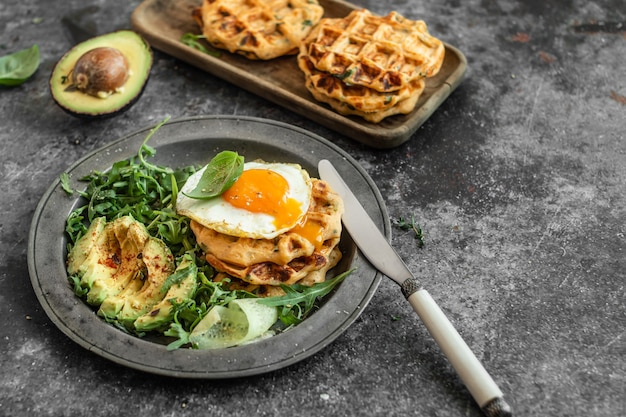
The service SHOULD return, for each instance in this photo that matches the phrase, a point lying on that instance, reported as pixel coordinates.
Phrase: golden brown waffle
(286, 259)
(405, 106)
(258, 29)
(384, 53)
(358, 98)
(265, 290)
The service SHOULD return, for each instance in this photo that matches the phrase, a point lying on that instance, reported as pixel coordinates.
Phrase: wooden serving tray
(163, 22)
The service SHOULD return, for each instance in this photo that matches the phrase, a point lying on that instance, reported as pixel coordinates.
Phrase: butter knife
(375, 247)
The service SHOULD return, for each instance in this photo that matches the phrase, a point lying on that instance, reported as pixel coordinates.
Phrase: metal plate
(162, 23)
(194, 141)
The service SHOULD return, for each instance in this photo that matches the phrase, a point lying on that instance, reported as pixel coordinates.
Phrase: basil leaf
(18, 67)
(220, 173)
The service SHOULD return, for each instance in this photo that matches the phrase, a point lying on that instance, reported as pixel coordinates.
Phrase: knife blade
(379, 252)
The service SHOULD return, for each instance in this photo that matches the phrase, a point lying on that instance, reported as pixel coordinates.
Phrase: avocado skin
(83, 106)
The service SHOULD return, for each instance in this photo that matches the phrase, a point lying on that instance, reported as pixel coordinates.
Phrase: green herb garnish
(344, 74)
(219, 175)
(150, 151)
(65, 183)
(193, 41)
(19, 66)
(405, 224)
(299, 299)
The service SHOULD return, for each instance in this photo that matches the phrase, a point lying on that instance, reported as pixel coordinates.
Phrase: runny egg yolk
(311, 231)
(264, 191)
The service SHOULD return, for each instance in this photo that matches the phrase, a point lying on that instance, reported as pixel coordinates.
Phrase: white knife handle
(482, 387)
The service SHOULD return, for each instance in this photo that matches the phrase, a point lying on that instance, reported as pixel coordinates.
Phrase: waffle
(382, 53)
(258, 29)
(286, 259)
(356, 98)
(404, 106)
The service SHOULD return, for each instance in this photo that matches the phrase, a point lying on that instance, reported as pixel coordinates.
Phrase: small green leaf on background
(19, 66)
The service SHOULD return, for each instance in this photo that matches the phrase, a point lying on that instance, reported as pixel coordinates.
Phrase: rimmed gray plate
(193, 141)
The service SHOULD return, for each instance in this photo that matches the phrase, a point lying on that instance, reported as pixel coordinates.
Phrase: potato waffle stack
(258, 29)
(358, 100)
(369, 66)
(287, 259)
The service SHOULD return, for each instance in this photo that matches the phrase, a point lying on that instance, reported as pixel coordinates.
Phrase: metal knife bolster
(410, 286)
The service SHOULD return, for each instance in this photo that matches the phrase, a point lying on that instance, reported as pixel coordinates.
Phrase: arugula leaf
(19, 66)
(75, 227)
(218, 176)
(78, 289)
(177, 331)
(300, 299)
(176, 277)
(151, 151)
(65, 183)
(210, 293)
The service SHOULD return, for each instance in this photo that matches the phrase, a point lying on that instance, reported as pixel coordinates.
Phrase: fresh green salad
(137, 262)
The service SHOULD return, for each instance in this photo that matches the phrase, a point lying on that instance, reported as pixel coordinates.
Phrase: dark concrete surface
(518, 180)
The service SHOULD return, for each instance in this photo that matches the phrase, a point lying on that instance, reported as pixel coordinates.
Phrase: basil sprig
(19, 66)
(219, 175)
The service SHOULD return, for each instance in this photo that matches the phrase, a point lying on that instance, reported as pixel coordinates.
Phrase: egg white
(221, 216)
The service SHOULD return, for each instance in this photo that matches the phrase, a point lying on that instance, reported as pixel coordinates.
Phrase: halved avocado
(102, 76)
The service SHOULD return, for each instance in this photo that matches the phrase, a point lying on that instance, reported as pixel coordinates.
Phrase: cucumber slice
(242, 321)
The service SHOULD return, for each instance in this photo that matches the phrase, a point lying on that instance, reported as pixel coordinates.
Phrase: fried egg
(267, 200)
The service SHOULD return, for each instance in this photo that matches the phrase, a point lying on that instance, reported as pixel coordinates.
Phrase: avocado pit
(100, 72)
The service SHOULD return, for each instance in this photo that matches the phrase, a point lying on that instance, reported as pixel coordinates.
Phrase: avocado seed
(100, 72)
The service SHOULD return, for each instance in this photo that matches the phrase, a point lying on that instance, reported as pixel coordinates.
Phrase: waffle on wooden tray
(359, 64)
(258, 29)
(369, 66)
(359, 100)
